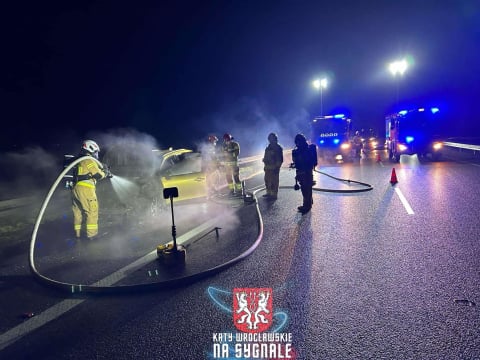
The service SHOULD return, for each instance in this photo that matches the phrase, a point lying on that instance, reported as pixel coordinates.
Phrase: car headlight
(345, 146)
(437, 146)
(402, 147)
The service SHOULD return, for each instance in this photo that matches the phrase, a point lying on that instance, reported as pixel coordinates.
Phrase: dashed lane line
(404, 201)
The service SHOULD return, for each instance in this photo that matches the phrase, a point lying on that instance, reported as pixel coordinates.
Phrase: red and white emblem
(252, 309)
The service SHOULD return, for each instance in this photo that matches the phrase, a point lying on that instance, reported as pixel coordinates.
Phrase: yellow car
(182, 169)
(151, 171)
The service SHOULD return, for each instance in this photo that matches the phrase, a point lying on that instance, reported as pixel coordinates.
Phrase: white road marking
(17, 332)
(404, 201)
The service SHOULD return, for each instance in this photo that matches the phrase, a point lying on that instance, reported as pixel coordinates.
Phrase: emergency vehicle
(414, 131)
(331, 134)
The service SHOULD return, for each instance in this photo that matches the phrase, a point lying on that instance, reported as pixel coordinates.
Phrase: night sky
(180, 70)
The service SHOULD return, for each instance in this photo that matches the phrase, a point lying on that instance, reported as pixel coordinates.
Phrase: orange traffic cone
(393, 178)
(379, 159)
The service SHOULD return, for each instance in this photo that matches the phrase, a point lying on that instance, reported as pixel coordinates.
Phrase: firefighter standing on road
(273, 159)
(357, 144)
(84, 196)
(304, 158)
(231, 150)
(210, 163)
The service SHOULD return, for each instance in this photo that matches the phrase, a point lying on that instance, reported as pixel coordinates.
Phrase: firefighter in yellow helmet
(84, 196)
(273, 159)
(231, 150)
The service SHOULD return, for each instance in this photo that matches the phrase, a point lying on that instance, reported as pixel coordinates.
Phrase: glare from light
(345, 146)
(403, 112)
(434, 110)
(402, 147)
(437, 146)
(320, 83)
(339, 116)
(336, 141)
(421, 110)
(398, 67)
(409, 139)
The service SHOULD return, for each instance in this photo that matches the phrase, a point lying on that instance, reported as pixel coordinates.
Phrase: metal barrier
(462, 146)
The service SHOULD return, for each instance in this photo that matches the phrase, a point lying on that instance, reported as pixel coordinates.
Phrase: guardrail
(462, 146)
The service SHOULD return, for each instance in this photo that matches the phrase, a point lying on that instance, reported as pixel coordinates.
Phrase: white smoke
(249, 121)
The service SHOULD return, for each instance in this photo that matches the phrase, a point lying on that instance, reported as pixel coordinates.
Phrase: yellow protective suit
(84, 197)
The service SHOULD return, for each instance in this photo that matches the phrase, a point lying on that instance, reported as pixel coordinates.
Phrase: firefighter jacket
(209, 157)
(305, 157)
(231, 150)
(88, 172)
(273, 157)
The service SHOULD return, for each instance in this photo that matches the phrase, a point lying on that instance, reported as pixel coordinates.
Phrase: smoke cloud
(249, 121)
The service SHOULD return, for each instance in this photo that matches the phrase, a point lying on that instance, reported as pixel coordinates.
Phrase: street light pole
(398, 68)
(320, 84)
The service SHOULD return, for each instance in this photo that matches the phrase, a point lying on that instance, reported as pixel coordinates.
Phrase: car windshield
(182, 164)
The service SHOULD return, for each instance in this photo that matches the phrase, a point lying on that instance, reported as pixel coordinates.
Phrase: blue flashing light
(339, 116)
(434, 110)
(403, 112)
(409, 139)
(336, 141)
(322, 141)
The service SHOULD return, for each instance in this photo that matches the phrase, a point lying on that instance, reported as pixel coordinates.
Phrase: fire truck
(331, 134)
(414, 131)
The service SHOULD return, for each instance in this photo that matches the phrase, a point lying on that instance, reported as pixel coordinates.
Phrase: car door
(186, 175)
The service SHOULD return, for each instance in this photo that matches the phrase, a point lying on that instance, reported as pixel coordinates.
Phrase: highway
(389, 273)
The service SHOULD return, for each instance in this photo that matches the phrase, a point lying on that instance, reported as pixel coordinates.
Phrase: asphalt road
(391, 273)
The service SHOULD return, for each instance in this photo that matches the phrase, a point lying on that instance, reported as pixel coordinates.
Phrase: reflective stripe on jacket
(91, 168)
(231, 151)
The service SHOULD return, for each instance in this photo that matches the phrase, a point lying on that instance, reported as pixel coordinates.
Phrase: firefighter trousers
(272, 181)
(232, 175)
(85, 207)
(305, 179)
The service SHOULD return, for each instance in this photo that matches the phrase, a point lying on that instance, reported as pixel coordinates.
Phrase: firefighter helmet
(212, 139)
(227, 137)
(300, 140)
(272, 137)
(90, 147)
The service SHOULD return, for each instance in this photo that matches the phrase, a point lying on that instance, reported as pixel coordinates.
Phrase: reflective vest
(86, 171)
(231, 150)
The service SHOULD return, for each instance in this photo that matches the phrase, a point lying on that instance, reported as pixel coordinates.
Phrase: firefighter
(210, 163)
(84, 196)
(357, 144)
(304, 158)
(273, 159)
(231, 150)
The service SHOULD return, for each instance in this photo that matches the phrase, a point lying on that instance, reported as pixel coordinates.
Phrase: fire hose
(99, 287)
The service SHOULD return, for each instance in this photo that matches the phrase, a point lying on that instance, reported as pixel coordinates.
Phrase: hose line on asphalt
(97, 288)
(367, 187)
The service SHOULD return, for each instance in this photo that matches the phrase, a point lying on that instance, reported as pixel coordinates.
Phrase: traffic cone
(379, 159)
(393, 178)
